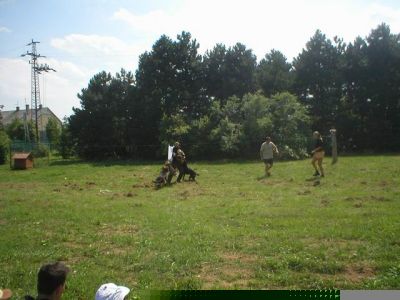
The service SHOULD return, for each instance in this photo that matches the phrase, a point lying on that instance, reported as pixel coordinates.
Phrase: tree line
(223, 103)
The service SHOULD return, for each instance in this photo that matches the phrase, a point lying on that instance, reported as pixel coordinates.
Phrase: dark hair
(50, 277)
(268, 138)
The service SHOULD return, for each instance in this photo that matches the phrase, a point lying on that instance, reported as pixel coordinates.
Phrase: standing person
(178, 158)
(267, 151)
(318, 154)
(51, 281)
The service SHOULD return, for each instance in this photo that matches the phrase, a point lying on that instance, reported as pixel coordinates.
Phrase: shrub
(4, 147)
(40, 151)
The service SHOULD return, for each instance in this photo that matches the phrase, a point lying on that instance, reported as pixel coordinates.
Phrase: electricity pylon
(36, 69)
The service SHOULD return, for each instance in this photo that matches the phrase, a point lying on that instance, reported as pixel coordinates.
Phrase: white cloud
(152, 22)
(58, 90)
(100, 52)
(4, 29)
(262, 25)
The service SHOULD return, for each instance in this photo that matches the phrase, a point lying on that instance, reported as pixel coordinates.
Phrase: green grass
(232, 230)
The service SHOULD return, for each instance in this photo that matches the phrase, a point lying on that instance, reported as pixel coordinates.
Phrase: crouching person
(166, 174)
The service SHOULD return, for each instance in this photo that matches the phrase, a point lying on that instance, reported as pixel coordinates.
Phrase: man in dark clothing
(178, 160)
(51, 281)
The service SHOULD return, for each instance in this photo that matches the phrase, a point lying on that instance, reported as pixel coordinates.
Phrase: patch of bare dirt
(141, 185)
(325, 202)
(237, 256)
(305, 192)
(357, 273)
(366, 198)
(123, 229)
(190, 192)
(334, 244)
(234, 271)
(225, 277)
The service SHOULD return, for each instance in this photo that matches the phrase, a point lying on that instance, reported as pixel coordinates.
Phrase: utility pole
(36, 69)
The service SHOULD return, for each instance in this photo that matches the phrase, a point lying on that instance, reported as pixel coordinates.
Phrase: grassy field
(232, 230)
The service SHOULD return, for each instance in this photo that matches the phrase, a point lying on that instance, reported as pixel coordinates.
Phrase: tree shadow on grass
(314, 178)
(105, 163)
(262, 177)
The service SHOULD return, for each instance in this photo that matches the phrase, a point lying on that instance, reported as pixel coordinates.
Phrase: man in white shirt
(267, 151)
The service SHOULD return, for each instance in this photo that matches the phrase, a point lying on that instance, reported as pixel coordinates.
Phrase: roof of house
(21, 114)
(21, 155)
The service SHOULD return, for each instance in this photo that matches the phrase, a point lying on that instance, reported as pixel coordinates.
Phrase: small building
(23, 161)
(44, 114)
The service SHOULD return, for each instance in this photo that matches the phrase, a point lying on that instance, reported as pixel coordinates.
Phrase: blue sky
(81, 38)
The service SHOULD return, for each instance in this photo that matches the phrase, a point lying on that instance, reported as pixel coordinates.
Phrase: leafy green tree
(4, 147)
(67, 142)
(291, 125)
(257, 121)
(229, 72)
(239, 127)
(99, 126)
(53, 132)
(15, 130)
(169, 84)
(273, 73)
(228, 131)
(371, 112)
(382, 109)
(319, 79)
(1, 119)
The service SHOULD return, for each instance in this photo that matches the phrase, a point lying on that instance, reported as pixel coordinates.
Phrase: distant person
(267, 151)
(318, 154)
(51, 281)
(111, 291)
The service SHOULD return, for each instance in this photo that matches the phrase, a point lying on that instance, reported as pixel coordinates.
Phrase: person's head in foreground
(268, 139)
(177, 145)
(111, 291)
(51, 281)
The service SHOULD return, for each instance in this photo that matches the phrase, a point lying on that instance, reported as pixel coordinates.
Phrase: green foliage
(244, 123)
(41, 150)
(319, 80)
(209, 102)
(99, 127)
(1, 119)
(66, 146)
(372, 90)
(229, 72)
(273, 74)
(4, 147)
(53, 132)
(16, 131)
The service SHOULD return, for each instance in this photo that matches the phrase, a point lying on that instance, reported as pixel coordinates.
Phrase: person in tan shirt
(267, 150)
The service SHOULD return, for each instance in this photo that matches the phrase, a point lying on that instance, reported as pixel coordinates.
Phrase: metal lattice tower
(36, 69)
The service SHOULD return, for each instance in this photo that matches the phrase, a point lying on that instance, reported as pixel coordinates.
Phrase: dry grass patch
(235, 270)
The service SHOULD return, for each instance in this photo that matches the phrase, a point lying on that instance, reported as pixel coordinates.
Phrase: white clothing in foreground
(110, 291)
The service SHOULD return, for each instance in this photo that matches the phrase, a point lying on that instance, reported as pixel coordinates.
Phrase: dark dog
(192, 174)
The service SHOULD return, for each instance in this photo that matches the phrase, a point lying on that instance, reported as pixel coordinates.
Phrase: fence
(42, 152)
